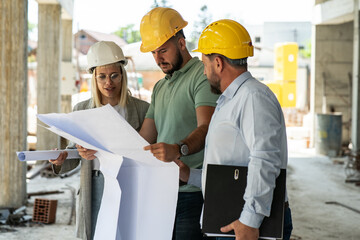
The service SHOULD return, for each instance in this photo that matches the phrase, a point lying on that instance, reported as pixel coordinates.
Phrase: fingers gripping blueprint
(140, 192)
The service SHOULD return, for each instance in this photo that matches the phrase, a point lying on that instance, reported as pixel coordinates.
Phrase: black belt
(95, 173)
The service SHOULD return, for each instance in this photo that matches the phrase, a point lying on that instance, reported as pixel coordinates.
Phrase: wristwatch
(183, 148)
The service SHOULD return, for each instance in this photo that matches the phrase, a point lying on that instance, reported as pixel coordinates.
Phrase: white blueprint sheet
(140, 192)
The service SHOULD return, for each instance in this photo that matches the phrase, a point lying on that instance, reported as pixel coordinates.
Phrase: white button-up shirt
(248, 129)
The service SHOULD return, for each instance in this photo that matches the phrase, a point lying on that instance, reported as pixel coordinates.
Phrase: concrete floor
(312, 181)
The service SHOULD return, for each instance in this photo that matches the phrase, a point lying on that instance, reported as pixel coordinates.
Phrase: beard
(215, 89)
(176, 65)
(214, 84)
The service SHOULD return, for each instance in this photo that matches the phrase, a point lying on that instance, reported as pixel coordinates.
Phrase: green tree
(163, 3)
(204, 19)
(31, 52)
(306, 52)
(128, 33)
(31, 27)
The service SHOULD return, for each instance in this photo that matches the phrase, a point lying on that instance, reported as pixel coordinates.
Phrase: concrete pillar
(48, 77)
(66, 39)
(67, 47)
(65, 108)
(355, 124)
(313, 99)
(13, 101)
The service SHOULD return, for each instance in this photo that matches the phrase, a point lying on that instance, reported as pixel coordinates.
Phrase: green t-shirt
(173, 103)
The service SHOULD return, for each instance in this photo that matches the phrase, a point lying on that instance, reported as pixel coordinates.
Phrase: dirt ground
(312, 182)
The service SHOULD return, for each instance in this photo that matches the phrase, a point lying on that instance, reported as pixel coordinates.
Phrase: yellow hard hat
(158, 26)
(226, 37)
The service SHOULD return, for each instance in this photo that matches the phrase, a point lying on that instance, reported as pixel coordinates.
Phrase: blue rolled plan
(46, 154)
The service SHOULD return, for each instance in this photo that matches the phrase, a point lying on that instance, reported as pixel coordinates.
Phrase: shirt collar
(184, 69)
(232, 89)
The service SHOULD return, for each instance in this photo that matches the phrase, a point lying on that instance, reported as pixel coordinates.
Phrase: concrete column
(48, 77)
(13, 101)
(313, 99)
(67, 40)
(355, 124)
(65, 108)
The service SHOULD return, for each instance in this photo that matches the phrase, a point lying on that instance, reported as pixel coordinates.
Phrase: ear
(182, 43)
(219, 64)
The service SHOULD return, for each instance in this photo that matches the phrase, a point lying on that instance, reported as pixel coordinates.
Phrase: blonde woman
(106, 63)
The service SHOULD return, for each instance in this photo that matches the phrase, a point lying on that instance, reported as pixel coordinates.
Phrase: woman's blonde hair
(124, 92)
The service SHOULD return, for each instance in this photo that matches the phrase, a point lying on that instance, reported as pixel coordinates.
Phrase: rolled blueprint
(46, 154)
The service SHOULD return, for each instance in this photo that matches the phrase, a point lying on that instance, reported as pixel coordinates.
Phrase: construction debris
(6, 229)
(36, 169)
(44, 210)
(29, 195)
(73, 203)
(352, 168)
(13, 217)
(345, 206)
(44, 169)
(4, 214)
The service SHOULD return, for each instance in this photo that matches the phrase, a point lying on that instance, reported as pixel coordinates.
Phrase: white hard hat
(103, 53)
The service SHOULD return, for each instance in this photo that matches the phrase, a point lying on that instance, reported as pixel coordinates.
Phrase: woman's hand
(60, 159)
(85, 153)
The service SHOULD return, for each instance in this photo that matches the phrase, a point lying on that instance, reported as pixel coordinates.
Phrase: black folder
(223, 201)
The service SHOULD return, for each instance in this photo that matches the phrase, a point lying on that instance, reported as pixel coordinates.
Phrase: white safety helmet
(103, 53)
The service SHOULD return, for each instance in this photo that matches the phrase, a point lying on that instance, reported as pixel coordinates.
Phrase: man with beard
(180, 111)
(247, 128)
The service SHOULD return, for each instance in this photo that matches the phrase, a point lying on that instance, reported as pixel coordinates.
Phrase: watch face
(184, 149)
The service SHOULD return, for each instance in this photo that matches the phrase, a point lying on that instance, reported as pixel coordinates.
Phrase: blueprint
(140, 192)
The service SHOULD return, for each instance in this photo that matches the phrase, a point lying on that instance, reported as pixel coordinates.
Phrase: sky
(108, 16)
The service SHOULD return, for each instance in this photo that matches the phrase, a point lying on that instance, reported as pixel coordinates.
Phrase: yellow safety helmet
(158, 26)
(226, 37)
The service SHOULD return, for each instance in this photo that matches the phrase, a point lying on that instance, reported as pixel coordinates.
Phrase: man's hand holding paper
(163, 151)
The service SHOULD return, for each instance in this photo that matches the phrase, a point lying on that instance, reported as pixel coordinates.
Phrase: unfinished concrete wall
(13, 101)
(332, 72)
(355, 123)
